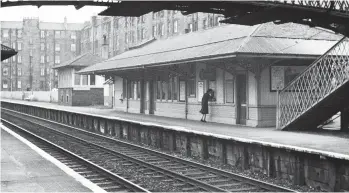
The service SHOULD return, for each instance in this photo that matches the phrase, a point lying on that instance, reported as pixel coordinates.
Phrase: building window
(19, 59)
(158, 90)
(42, 85)
(42, 72)
(84, 79)
(5, 71)
(5, 61)
(162, 13)
(57, 34)
(174, 87)
(42, 34)
(138, 89)
(77, 78)
(73, 47)
(5, 33)
(4, 84)
(143, 19)
(19, 46)
(92, 79)
(14, 58)
(67, 98)
(47, 46)
(42, 46)
(19, 33)
(73, 35)
(154, 31)
(211, 21)
(31, 52)
(42, 59)
(175, 26)
(131, 87)
(57, 60)
(56, 72)
(14, 45)
(57, 47)
(62, 98)
(47, 70)
(47, 58)
(19, 84)
(19, 72)
(191, 87)
(229, 88)
(154, 15)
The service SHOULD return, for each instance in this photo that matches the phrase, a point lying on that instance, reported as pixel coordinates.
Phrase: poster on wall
(283, 75)
(181, 90)
(200, 90)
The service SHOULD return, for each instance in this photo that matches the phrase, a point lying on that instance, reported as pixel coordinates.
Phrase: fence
(42, 96)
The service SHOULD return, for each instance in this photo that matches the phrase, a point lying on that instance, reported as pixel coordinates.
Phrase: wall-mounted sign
(280, 76)
(182, 90)
(200, 90)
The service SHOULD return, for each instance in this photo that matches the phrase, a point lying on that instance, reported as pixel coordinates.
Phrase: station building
(244, 65)
(79, 90)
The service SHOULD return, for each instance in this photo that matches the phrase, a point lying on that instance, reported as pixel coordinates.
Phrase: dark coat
(204, 103)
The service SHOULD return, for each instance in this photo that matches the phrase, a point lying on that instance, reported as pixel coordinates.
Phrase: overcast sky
(50, 13)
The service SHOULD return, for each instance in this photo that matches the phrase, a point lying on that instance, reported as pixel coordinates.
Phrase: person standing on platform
(204, 104)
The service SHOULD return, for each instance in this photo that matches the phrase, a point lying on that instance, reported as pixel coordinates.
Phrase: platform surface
(24, 170)
(328, 142)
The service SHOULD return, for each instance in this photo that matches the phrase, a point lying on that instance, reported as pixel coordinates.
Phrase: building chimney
(105, 48)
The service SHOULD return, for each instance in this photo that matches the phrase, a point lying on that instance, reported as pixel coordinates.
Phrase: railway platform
(334, 143)
(315, 159)
(23, 169)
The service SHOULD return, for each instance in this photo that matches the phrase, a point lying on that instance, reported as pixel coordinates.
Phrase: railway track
(99, 176)
(185, 175)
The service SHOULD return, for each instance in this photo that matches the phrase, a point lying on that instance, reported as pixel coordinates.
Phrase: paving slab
(24, 170)
(330, 143)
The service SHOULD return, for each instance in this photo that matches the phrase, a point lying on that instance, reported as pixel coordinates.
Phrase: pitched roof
(82, 60)
(228, 40)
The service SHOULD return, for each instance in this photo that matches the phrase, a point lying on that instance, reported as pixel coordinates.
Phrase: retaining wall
(43, 96)
(328, 171)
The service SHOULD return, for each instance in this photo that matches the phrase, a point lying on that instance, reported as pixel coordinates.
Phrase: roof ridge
(248, 37)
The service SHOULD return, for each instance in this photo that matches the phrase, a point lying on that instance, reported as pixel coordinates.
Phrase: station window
(77, 78)
(130, 90)
(67, 99)
(175, 26)
(138, 89)
(174, 88)
(135, 90)
(124, 88)
(154, 31)
(158, 90)
(164, 89)
(229, 87)
(92, 79)
(84, 79)
(169, 91)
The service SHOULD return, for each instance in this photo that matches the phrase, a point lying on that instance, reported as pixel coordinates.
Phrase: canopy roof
(81, 61)
(225, 41)
(7, 52)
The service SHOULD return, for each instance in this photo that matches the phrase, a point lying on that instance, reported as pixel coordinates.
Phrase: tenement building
(40, 46)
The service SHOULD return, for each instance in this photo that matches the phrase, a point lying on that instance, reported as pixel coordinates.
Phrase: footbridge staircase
(318, 93)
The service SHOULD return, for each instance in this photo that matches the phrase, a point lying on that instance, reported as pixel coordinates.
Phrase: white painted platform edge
(188, 130)
(85, 182)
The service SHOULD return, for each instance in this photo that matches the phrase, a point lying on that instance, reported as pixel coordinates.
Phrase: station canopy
(7, 52)
(228, 41)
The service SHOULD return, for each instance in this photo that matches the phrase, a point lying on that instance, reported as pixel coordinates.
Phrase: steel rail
(248, 180)
(118, 179)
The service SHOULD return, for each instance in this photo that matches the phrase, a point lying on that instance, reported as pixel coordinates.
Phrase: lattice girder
(323, 77)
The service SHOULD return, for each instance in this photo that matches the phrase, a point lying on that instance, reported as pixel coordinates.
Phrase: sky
(50, 13)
